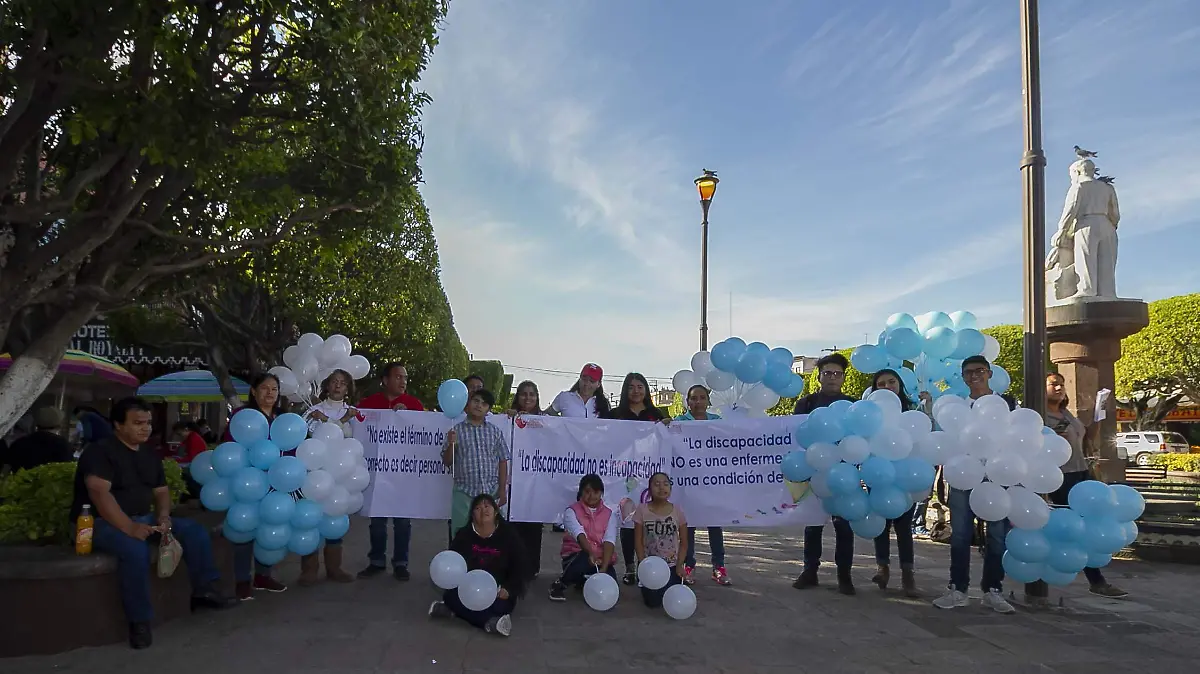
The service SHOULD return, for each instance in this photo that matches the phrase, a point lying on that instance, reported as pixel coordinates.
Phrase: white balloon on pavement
(654, 573)
(477, 590)
(680, 602)
(601, 592)
(447, 569)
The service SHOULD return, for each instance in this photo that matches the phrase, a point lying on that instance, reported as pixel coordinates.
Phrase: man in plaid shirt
(478, 453)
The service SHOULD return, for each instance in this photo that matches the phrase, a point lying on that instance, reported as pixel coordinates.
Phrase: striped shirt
(478, 451)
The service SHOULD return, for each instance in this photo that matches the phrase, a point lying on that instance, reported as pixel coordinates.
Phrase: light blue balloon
(269, 556)
(869, 358)
(1027, 545)
(1057, 578)
(878, 472)
(1130, 504)
(863, 418)
(307, 514)
(723, 357)
(1000, 380)
(914, 475)
(751, 367)
(452, 397)
(235, 536)
(1130, 529)
(853, 506)
(304, 541)
(868, 527)
(1064, 527)
(970, 343)
(263, 454)
(882, 338)
(901, 320)
(738, 343)
(1066, 558)
(1098, 561)
(272, 536)
(803, 436)
(201, 468)
(1022, 572)
(334, 527)
(909, 378)
(889, 502)
(249, 426)
(1092, 500)
(831, 506)
(777, 379)
(959, 389)
(288, 431)
(228, 458)
(795, 466)
(895, 362)
(780, 358)
(964, 320)
(904, 343)
(823, 426)
(248, 485)
(242, 517)
(933, 319)
(843, 478)
(940, 343)
(794, 388)
(1102, 535)
(287, 474)
(277, 508)
(216, 495)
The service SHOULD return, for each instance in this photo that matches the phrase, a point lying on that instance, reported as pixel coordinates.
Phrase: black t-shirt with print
(134, 475)
(813, 401)
(650, 413)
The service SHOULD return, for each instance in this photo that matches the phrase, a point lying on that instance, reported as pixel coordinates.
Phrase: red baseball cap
(592, 371)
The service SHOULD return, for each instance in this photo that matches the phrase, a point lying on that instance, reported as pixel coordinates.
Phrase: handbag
(169, 554)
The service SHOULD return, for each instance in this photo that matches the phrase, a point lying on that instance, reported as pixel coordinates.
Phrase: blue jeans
(245, 566)
(962, 525)
(133, 561)
(843, 550)
(903, 526)
(716, 545)
(379, 530)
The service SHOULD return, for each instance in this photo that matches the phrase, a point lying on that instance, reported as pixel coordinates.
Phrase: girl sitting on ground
(659, 532)
(590, 542)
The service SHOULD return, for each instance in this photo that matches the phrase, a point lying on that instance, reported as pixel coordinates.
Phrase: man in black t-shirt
(832, 372)
(125, 484)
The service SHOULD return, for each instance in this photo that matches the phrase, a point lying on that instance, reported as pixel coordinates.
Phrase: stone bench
(53, 600)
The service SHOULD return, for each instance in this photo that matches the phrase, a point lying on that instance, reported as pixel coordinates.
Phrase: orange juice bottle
(83, 531)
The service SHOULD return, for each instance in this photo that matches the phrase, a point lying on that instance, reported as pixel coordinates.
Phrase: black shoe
(558, 591)
(806, 580)
(372, 571)
(845, 584)
(630, 578)
(401, 573)
(139, 636)
(212, 599)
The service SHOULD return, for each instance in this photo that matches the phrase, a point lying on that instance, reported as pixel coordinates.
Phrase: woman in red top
(188, 435)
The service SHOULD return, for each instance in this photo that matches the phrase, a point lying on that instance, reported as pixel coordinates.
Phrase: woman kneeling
(490, 545)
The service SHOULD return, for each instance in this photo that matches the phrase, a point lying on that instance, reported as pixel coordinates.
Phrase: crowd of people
(125, 485)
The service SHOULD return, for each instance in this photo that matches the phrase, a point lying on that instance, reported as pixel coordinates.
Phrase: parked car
(1139, 446)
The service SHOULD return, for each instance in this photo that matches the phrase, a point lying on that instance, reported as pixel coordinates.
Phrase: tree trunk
(33, 370)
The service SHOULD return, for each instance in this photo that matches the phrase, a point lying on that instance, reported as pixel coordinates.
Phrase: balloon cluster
(936, 344)
(679, 601)
(1098, 522)
(282, 503)
(476, 589)
(311, 359)
(871, 442)
(751, 377)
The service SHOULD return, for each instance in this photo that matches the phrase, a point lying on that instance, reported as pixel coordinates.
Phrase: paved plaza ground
(761, 624)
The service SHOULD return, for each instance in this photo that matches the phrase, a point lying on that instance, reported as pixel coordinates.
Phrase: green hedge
(35, 503)
(1184, 463)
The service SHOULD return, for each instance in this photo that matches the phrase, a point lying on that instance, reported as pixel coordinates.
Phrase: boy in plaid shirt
(478, 453)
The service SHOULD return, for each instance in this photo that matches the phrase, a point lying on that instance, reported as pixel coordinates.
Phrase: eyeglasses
(832, 374)
(974, 372)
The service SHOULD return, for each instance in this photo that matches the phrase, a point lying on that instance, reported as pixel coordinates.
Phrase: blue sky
(868, 153)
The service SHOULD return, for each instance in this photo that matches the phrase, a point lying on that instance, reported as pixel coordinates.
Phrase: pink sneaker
(720, 577)
(688, 572)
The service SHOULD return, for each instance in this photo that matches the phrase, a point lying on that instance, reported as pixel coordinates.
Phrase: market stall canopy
(83, 371)
(190, 386)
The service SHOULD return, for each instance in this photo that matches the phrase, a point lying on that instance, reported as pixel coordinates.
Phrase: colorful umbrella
(77, 366)
(192, 386)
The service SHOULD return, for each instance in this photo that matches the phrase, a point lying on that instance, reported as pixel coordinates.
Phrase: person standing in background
(698, 403)
(585, 398)
(527, 402)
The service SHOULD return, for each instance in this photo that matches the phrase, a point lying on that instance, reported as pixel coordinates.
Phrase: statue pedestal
(1085, 341)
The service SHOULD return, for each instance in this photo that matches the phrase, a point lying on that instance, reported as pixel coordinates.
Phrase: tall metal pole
(704, 278)
(1033, 216)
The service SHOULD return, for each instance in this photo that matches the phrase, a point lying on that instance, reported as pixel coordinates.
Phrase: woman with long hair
(249, 573)
(902, 525)
(526, 402)
(633, 405)
(698, 403)
(585, 398)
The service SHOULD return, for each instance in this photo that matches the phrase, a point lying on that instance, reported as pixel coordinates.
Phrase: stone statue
(1082, 262)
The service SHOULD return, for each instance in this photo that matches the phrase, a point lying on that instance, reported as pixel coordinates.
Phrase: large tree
(1160, 365)
(156, 140)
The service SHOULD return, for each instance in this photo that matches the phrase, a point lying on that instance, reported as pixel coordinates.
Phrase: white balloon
(947, 399)
(337, 502)
(1007, 469)
(1056, 449)
(306, 370)
(355, 504)
(963, 472)
(990, 502)
(334, 351)
(358, 366)
(353, 445)
(915, 423)
(340, 463)
(977, 439)
(683, 381)
(992, 408)
(854, 449)
(1028, 511)
(1023, 442)
(654, 573)
(601, 592)
(313, 453)
(357, 481)
(820, 485)
(477, 590)
(953, 418)
(329, 433)
(822, 455)
(891, 443)
(718, 380)
(318, 485)
(888, 402)
(991, 348)
(1024, 418)
(935, 447)
(702, 364)
(310, 343)
(679, 602)
(1042, 476)
(293, 355)
(447, 569)
(759, 398)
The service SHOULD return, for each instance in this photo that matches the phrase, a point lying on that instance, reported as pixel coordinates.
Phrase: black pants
(577, 568)
(500, 607)
(1059, 498)
(654, 598)
(627, 550)
(843, 549)
(530, 534)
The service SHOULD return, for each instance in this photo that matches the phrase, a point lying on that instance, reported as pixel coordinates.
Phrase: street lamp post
(1033, 215)
(706, 185)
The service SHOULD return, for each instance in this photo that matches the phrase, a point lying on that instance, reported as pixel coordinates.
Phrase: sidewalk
(761, 624)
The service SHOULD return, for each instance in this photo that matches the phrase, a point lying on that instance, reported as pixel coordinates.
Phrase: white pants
(1096, 257)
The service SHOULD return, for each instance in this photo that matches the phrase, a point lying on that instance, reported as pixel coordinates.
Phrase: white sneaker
(996, 601)
(504, 625)
(952, 599)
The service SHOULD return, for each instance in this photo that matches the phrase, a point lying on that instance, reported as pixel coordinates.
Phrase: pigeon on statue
(1106, 179)
(1083, 154)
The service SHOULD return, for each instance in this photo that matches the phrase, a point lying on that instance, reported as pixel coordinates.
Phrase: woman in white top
(585, 398)
(336, 390)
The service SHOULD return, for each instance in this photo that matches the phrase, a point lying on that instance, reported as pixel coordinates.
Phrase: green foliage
(492, 372)
(1184, 463)
(678, 405)
(37, 502)
(1163, 359)
(1012, 354)
(505, 394)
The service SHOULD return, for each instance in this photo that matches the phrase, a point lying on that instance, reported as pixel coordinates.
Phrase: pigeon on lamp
(1084, 154)
(1106, 179)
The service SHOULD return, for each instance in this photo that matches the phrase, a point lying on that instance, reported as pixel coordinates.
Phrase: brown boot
(908, 582)
(882, 576)
(310, 567)
(333, 565)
